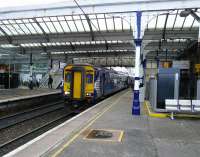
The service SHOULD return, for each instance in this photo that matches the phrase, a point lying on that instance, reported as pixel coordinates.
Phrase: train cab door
(77, 84)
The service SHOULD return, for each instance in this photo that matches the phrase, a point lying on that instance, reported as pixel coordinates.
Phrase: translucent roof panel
(196, 23)
(36, 28)
(72, 26)
(126, 22)
(95, 24)
(58, 27)
(152, 22)
(44, 27)
(118, 23)
(188, 21)
(65, 26)
(102, 24)
(170, 21)
(85, 25)
(6, 30)
(110, 24)
(30, 28)
(161, 21)
(51, 27)
(79, 25)
(23, 29)
(179, 22)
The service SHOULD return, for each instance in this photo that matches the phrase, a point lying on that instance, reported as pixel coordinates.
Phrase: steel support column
(138, 43)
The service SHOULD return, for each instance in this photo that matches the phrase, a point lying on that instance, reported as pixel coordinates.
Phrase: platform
(7, 95)
(140, 136)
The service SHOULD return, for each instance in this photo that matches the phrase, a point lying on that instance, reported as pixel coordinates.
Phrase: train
(87, 83)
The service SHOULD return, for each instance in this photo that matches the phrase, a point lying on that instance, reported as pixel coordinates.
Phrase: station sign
(182, 64)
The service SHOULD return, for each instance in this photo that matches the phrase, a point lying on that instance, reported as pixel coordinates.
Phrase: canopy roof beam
(165, 25)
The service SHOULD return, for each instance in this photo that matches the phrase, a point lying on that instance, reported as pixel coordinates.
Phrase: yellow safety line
(165, 115)
(121, 135)
(155, 115)
(86, 127)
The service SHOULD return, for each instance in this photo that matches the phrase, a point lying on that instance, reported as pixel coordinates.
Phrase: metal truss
(96, 33)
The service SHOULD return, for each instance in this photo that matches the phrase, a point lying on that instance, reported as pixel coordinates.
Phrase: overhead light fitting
(185, 13)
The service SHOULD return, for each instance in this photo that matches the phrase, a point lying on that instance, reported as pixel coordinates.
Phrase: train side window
(68, 77)
(89, 78)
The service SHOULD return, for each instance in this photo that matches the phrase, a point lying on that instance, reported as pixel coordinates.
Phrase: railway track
(23, 138)
(11, 120)
(24, 126)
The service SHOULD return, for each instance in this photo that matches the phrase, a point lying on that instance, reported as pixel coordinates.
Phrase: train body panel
(88, 83)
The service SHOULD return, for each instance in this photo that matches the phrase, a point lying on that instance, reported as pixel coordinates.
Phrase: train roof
(99, 68)
(82, 64)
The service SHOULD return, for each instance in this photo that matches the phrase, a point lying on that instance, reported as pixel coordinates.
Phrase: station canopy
(67, 30)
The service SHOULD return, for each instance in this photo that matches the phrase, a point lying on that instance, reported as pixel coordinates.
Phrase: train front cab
(78, 84)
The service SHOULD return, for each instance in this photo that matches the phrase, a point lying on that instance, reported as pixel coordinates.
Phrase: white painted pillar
(138, 43)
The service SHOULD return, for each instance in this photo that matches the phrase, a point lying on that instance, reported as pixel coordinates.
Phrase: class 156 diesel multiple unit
(86, 83)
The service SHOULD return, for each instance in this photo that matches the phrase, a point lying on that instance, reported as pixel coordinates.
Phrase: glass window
(68, 77)
(89, 78)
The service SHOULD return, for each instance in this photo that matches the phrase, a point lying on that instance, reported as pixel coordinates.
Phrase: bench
(181, 106)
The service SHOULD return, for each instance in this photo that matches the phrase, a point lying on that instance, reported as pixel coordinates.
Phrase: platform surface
(17, 93)
(143, 136)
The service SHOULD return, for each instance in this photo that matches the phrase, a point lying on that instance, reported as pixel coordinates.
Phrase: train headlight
(89, 94)
(67, 93)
